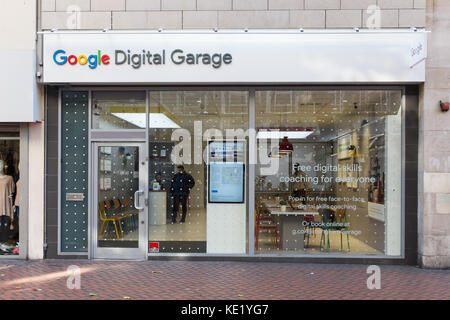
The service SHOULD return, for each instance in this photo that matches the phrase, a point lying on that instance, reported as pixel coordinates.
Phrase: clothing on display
(7, 187)
(15, 222)
(5, 223)
(7, 248)
(10, 168)
(9, 194)
(16, 200)
(6, 192)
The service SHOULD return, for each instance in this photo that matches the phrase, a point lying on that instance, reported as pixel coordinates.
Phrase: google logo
(94, 60)
(416, 51)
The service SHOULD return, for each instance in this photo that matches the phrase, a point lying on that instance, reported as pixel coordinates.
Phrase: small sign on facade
(417, 52)
(74, 196)
(154, 247)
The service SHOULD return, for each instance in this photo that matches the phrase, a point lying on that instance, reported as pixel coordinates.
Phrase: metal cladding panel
(74, 171)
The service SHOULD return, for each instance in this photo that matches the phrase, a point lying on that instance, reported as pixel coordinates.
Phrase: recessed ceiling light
(265, 134)
(157, 120)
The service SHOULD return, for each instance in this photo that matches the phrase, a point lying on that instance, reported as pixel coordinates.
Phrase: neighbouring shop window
(328, 178)
(115, 110)
(182, 124)
(9, 193)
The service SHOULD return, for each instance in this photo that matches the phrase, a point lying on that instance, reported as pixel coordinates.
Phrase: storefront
(9, 187)
(273, 145)
(19, 117)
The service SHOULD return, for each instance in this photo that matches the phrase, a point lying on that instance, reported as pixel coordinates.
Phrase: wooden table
(290, 224)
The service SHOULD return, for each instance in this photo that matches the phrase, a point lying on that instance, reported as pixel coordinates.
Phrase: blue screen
(226, 182)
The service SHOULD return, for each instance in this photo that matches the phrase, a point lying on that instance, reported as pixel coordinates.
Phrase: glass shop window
(185, 215)
(9, 193)
(118, 110)
(328, 177)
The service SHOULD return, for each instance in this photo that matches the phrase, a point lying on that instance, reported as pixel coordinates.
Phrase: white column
(36, 156)
(393, 184)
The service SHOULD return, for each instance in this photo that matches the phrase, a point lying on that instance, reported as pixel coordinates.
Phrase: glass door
(120, 201)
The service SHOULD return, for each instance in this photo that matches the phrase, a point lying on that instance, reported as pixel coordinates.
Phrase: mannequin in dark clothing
(181, 185)
(7, 192)
(5, 223)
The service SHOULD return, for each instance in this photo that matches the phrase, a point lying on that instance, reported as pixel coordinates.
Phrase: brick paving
(216, 280)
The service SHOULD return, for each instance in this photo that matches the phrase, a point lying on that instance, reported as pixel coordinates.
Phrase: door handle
(136, 199)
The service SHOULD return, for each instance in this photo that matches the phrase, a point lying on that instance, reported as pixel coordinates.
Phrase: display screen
(226, 182)
(226, 171)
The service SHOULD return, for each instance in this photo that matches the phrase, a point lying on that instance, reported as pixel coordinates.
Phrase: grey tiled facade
(229, 14)
(433, 155)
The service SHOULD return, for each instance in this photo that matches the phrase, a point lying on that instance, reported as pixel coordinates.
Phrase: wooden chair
(328, 217)
(309, 229)
(120, 214)
(125, 203)
(130, 212)
(114, 213)
(265, 222)
(102, 209)
(121, 209)
(342, 216)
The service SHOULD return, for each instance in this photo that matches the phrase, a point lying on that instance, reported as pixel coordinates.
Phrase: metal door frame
(139, 253)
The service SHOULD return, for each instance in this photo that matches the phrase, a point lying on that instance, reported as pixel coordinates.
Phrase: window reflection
(323, 186)
(118, 110)
(10, 193)
(178, 135)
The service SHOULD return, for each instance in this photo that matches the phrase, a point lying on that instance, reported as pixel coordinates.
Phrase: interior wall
(197, 171)
(372, 231)
(121, 174)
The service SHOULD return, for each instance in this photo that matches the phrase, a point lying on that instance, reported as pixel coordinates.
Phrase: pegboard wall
(74, 170)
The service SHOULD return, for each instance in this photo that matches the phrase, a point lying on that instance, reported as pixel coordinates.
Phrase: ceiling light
(265, 134)
(157, 120)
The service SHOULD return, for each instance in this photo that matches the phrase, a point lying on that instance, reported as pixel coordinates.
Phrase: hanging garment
(15, 219)
(15, 223)
(6, 191)
(5, 223)
(16, 201)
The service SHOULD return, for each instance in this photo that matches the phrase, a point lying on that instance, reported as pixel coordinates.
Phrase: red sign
(154, 246)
